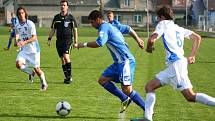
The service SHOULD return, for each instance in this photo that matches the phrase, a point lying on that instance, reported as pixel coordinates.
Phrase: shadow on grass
(52, 117)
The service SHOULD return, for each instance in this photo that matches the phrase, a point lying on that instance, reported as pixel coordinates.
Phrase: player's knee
(148, 88)
(127, 91)
(18, 65)
(190, 98)
(100, 81)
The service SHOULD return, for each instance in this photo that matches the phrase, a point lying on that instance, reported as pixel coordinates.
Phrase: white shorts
(32, 59)
(176, 75)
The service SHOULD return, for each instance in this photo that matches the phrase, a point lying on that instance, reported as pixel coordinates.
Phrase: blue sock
(110, 87)
(9, 42)
(136, 98)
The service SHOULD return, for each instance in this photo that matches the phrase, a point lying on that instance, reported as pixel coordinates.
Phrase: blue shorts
(12, 34)
(121, 72)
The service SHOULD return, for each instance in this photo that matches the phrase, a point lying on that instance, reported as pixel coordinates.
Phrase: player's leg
(127, 70)
(198, 97)
(34, 59)
(21, 63)
(67, 61)
(105, 81)
(10, 40)
(67, 67)
(150, 88)
(41, 75)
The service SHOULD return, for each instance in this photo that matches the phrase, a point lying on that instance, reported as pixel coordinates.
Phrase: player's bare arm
(151, 42)
(137, 38)
(51, 34)
(75, 33)
(88, 44)
(196, 43)
(24, 42)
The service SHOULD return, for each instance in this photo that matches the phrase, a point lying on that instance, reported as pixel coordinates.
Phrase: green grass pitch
(21, 101)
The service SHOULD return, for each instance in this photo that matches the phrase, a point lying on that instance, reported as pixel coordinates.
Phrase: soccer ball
(63, 108)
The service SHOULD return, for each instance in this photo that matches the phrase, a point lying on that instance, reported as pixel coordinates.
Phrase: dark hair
(110, 12)
(166, 12)
(94, 15)
(21, 8)
(62, 1)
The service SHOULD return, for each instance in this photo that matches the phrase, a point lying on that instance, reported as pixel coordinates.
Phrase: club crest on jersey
(66, 24)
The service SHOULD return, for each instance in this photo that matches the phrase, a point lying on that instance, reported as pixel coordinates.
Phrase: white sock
(26, 69)
(205, 99)
(43, 78)
(149, 105)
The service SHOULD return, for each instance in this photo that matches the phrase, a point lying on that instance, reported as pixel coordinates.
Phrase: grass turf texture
(21, 101)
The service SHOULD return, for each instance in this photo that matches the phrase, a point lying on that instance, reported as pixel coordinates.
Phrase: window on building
(127, 2)
(117, 17)
(138, 18)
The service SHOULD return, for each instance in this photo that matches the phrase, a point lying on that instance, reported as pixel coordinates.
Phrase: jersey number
(179, 42)
(26, 38)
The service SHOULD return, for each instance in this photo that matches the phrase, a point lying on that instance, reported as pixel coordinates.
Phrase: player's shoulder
(57, 16)
(29, 22)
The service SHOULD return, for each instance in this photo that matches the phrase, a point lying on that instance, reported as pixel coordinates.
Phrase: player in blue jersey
(14, 21)
(124, 29)
(122, 70)
(176, 73)
(29, 54)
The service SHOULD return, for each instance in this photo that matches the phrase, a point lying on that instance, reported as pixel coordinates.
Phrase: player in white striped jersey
(176, 73)
(29, 54)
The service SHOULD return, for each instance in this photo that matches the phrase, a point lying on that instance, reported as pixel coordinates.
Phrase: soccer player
(29, 53)
(65, 25)
(14, 21)
(176, 73)
(122, 70)
(124, 29)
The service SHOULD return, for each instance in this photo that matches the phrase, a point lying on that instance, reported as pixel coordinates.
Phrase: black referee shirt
(64, 26)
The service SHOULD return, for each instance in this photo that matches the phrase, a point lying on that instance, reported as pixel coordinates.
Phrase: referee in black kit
(65, 25)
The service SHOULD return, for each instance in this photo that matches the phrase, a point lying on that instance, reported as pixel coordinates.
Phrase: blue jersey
(115, 42)
(124, 29)
(14, 21)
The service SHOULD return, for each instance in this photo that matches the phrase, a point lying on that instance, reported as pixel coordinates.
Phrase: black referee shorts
(63, 48)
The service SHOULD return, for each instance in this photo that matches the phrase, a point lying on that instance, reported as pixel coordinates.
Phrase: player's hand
(150, 49)
(191, 59)
(75, 45)
(140, 43)
(49, 41)
(21, 43)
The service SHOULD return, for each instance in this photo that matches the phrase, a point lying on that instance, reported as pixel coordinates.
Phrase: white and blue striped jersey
(115, 42)
(124, 29)
(25, 31)
(173, 39)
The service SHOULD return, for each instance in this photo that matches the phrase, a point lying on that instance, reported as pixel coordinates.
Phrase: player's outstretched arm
(151, 42)
(87, 44)
(196, 43)
(51, 34)
(137, 38)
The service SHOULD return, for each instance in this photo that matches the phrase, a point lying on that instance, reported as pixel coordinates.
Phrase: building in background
(132, 12)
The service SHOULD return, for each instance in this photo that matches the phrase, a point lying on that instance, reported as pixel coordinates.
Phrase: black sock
(69, 69)
(65, 71)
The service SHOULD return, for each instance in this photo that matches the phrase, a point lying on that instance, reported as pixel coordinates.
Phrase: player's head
(64, 5)
(165, 13)
(21, 13)
(95, 18)
(110, 16)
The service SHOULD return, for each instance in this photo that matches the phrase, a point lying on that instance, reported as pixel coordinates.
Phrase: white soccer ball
(63, 108)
